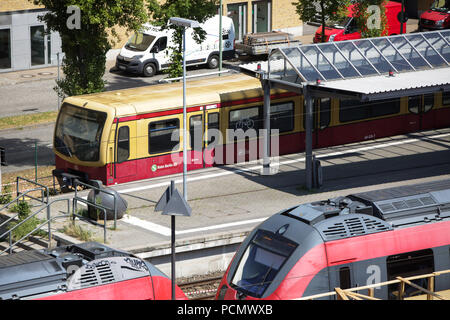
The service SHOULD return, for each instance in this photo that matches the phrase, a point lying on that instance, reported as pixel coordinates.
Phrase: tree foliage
(85, 47)
(307, 10)
(371, 23)
(199, 10)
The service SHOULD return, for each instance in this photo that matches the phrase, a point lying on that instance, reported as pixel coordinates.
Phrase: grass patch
(77, 232)
(27, 120)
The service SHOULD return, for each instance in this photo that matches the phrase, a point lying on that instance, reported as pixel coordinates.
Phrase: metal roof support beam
(331, 64)
(418, 52)
(442, 37)
(308, 138)
(312, 65)
(383, 56)
(362, 54)
(348, 60)
(301, 76)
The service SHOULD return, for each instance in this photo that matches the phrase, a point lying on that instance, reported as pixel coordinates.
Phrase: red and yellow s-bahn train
(86, 271)
(358, 240)
(133, 134)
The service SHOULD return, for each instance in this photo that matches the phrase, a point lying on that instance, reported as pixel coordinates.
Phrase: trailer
(264, 42)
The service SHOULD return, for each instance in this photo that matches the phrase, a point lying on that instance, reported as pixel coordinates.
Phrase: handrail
(48, 221)
(344, 294)
(75, 200)
(35, 183)
(7, 205)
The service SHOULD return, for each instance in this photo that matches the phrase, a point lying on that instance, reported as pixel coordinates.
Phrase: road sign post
(173, 204)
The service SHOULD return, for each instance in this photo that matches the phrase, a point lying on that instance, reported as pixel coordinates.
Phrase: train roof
(168, 96)
(39, 273)
(376, 211)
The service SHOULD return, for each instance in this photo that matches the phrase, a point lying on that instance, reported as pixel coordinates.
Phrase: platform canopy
(371, 69)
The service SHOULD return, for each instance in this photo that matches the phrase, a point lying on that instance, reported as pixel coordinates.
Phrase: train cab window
(196, 132)
(446, 98)
(213, 124)
(352, 110)
(163, 136)
(245, 119)
(123, 144)
(260, 263)
(282, 117)
(407, 265)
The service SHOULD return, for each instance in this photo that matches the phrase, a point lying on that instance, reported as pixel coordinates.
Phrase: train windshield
(78, 132)
(261, 262)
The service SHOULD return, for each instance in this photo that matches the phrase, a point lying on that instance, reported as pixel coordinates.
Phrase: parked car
(437, 17)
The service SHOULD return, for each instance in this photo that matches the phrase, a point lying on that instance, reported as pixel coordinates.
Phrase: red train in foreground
(87, 271)
(345, 242)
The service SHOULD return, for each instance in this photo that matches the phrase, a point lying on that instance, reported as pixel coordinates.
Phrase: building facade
(23, 41)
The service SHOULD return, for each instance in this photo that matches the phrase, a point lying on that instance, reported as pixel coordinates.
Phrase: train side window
(384, 107)
(407, 265)
(344, 278)
(428, 102)
(163, 136)
(123, 144)
(282, 116)
(414, 104)
(352, 110)
(325, 113)
(196, 132)
(248, 118)
(446, 98)
(213, 123)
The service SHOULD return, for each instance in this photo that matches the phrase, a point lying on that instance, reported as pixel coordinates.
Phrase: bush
(24, 210)
(6, 196)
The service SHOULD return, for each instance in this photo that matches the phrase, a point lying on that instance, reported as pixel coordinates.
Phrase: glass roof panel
(426, 50)
(338, 60)
(409, 53)
(320, 62)
(305, 67)
(439, 44)
(377, 60)
(354, 56)
(394, 56)
(280, 68)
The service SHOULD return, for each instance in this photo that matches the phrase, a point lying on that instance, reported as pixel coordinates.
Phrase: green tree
(199, 10)
(307, 10)
(370, 16)
(85, 27)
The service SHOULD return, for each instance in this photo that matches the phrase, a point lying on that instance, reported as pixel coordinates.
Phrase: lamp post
(185, 23)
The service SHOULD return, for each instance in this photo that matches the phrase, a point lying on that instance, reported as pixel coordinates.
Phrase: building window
(261, 16)
(238, 12)
(5, 49)
(37, 37)
(163, 136)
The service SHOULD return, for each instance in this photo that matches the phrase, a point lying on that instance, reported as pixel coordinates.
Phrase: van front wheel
(213, 62)
(149, 70)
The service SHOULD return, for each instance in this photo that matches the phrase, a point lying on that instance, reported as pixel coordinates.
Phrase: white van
(147, 51)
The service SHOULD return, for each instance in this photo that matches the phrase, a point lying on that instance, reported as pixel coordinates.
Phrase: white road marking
(167, 232)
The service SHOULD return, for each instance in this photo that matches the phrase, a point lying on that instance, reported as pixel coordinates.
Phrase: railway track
(201, 289)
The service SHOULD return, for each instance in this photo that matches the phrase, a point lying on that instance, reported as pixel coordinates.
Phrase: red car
(437, 17)
(346, 29)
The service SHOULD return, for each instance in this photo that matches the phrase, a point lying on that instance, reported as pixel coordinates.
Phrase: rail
(44, 189)
(48, 222)
(11, 202)
(352, 294)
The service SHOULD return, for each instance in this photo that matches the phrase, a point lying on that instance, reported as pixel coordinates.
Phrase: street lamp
(185, 23)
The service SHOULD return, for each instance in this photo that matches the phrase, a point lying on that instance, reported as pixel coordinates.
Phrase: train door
(322, 118)
(212, 137)
(420, 116)
(196, 127)
(342, 277)
(125, 149)
(407, 265)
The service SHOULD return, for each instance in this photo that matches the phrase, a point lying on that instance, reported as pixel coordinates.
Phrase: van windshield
(338, 22)
(78, 132)
(139, 42)
(261, 262)
(441, 5)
